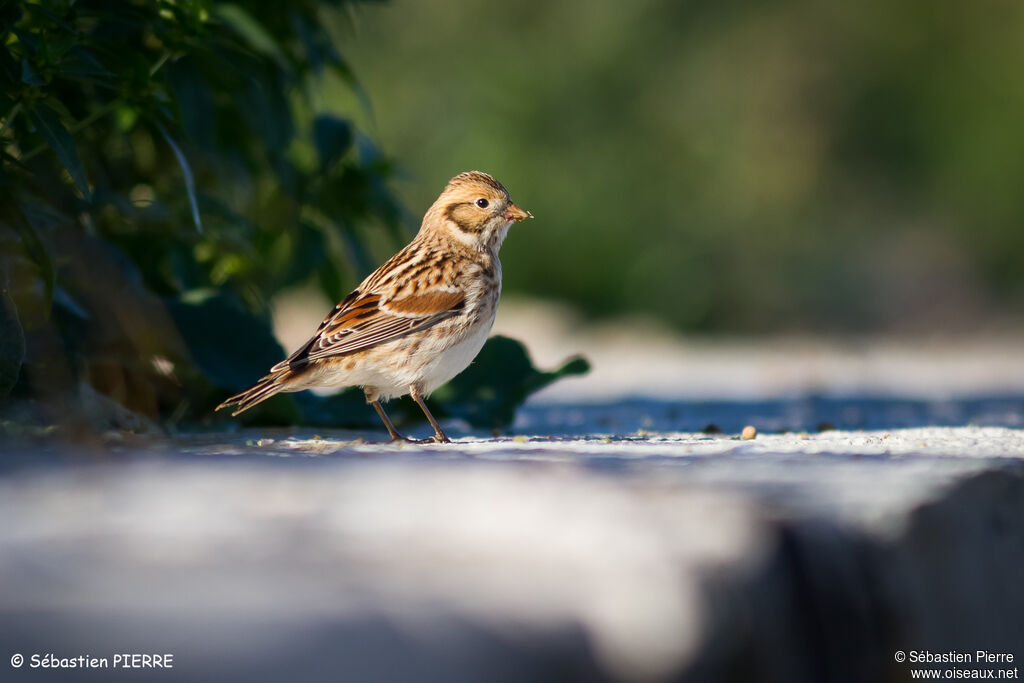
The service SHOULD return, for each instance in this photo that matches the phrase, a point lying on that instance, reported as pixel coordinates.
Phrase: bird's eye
(482, 203)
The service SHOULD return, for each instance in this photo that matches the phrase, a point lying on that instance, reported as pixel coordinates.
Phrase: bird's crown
(472, 178)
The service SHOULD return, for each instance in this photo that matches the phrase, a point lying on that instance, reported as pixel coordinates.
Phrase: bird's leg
(439, 435)
(395, 436)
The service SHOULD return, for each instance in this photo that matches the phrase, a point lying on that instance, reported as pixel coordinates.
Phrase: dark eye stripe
(464, 225)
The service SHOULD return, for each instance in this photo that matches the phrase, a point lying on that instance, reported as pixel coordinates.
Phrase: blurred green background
(747, 167)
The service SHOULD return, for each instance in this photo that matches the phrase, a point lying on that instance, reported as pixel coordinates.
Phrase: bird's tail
(272, 384)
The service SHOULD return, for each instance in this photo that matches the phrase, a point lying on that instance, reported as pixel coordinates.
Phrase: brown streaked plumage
(419, 319)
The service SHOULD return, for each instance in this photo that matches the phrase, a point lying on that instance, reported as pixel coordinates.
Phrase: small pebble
(749, 432)
(712, 428)
(519, 438)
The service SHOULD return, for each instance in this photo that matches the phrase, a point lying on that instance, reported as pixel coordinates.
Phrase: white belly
(454, 360)
(429, 368)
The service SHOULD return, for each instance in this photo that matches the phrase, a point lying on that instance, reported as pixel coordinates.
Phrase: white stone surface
(259, 554)
(609, 536)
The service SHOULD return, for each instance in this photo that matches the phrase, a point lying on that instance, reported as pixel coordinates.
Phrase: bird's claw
(430, 439)
(437, 438)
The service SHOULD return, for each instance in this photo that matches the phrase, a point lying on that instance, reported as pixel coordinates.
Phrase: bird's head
(474, 209)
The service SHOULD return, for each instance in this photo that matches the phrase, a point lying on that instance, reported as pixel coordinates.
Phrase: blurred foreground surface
(623, 532)
(626, 553)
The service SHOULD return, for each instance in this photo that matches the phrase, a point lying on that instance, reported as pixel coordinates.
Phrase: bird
(419, 319)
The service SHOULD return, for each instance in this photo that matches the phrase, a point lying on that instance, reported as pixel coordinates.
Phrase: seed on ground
(749, 432)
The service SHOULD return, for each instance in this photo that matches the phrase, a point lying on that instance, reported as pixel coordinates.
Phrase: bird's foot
(437, 438)
(430, 439)
(421, 441)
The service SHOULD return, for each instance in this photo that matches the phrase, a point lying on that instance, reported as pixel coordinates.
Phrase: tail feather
(259, 392)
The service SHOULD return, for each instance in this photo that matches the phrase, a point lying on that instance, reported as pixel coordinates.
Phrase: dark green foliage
(166, 167)
(49, 126)
(12, 344)
(224, 341)
(333, 138)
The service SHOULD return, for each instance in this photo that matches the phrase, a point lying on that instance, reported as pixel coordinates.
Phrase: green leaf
(35, 8)
(333, 137)
(62, 299)
(194, 101)
(34, 246)
(27, 41)
(12, 344)
(267, 109)
(308, 254)
(232, 347)
(355, 247)
(319, 49)
(60, 140)
(242, 23)
(79, 64)
(59, 107)
(186, 170)
(499, 380)
(344, 72)
(28, 74)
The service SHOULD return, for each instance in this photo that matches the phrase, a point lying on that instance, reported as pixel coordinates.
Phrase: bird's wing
(361, 321)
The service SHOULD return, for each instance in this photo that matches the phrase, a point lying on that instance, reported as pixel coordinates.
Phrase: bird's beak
(514, 214)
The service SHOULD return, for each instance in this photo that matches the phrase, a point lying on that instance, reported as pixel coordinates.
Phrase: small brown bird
(419, 319)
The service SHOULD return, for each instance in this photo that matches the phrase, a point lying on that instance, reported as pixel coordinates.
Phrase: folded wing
(362, 321)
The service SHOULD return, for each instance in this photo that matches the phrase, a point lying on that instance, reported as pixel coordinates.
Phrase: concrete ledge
(667, 557)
